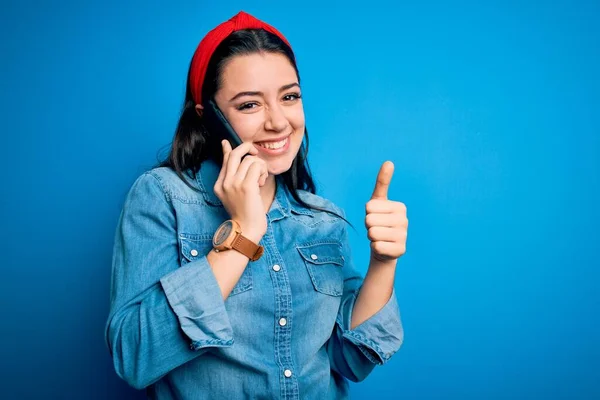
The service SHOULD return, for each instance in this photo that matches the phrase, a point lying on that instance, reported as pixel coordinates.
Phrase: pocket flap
(322, 253)
(194, 246)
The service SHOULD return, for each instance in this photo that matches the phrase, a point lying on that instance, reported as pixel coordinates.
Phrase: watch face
(223, 233)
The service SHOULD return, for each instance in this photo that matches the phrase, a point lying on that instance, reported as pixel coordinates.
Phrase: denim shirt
(283, 332)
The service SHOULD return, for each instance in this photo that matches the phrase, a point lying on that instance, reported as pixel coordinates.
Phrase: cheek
(296, 118)
(246, 125)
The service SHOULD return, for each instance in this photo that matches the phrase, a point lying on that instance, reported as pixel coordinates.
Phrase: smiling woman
(271, 115)
(231, 277)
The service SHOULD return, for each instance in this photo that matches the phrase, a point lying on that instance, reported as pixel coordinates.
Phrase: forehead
(257, 72)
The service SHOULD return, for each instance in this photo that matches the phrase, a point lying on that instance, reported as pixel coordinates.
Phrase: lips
(273, 145)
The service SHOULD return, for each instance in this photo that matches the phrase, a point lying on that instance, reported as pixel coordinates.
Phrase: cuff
(379, 337)
(195, 296)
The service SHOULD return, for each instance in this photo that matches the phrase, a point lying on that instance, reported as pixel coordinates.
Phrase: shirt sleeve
(355, 352)
(162, 314)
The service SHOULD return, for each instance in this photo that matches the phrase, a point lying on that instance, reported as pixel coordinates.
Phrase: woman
(231, 278)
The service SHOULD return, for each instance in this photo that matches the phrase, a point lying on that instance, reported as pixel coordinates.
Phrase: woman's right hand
(238, 188)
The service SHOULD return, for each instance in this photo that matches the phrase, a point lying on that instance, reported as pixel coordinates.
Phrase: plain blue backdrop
(491, 114)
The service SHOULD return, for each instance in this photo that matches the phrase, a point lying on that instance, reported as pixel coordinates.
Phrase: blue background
(489, 112)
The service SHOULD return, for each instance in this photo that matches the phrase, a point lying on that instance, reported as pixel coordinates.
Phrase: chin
(278, 167)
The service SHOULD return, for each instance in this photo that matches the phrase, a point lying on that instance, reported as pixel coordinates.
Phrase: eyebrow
(281, 89)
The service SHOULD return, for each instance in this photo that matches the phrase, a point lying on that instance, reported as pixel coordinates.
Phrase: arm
(376, 290)
(369, 332)
(369, 317)
(161, 314)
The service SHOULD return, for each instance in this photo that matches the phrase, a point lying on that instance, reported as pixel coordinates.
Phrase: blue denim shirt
(283, 332)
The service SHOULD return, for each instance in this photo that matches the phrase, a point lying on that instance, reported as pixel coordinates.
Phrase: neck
(267, 192)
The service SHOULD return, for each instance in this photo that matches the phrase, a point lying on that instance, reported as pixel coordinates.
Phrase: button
(313, 256)
(194, 253)
(282, 322)
(276, 268)
(287, 373)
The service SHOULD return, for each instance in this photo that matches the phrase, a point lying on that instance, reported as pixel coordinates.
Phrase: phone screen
(217, 124)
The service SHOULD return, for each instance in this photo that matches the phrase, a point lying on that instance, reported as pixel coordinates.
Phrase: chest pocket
(324, 262)
(195, 246)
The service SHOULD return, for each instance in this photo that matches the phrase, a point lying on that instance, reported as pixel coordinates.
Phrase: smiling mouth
(274, 145)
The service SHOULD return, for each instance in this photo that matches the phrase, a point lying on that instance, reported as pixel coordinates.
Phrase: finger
(264, 173)
(226, 148)
(385, 220)
(383, 181)
(388, 250)
(385, 234)
(245, 165)
(218, 186)
(384, 206)
(254, 175)
(234, 160)
(246, 148)
(263, 177)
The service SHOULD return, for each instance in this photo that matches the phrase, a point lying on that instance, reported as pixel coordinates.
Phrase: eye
(247, 106)
(292, 97)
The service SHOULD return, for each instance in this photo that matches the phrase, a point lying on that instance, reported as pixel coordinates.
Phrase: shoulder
(166, 181)
(320, 202)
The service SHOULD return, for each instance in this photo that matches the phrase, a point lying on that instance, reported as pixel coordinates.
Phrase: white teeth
(275, 145)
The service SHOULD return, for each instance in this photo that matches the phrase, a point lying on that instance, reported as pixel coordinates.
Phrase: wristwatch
(229, 236)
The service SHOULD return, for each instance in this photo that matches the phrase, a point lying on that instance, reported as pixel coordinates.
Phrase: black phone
(217, 124)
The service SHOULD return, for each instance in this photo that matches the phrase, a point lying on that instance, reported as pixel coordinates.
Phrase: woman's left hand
(386, 222)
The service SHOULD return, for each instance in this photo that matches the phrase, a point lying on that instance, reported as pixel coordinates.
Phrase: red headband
(209, 44)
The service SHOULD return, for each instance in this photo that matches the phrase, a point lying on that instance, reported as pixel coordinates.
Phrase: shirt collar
(283, 203)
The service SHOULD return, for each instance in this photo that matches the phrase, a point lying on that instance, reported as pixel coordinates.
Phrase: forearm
(228, 266)
(375, 292)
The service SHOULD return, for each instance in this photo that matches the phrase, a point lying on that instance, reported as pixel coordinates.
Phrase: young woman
(231, 278)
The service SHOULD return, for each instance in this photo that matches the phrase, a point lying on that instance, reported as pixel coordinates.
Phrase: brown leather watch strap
(247, 247)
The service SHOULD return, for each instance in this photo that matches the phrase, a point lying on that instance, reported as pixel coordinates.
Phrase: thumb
(383, 181)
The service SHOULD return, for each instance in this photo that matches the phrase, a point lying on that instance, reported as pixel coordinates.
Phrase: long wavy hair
(193, 143)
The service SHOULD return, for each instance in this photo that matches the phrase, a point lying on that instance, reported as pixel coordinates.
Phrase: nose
(275, 119)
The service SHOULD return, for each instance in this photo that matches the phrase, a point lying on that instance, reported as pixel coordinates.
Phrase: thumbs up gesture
(386, 221)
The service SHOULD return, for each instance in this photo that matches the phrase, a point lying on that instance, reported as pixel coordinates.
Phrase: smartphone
(217, 124)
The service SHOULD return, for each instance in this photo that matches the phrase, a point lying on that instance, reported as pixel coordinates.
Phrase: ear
(199, 109)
